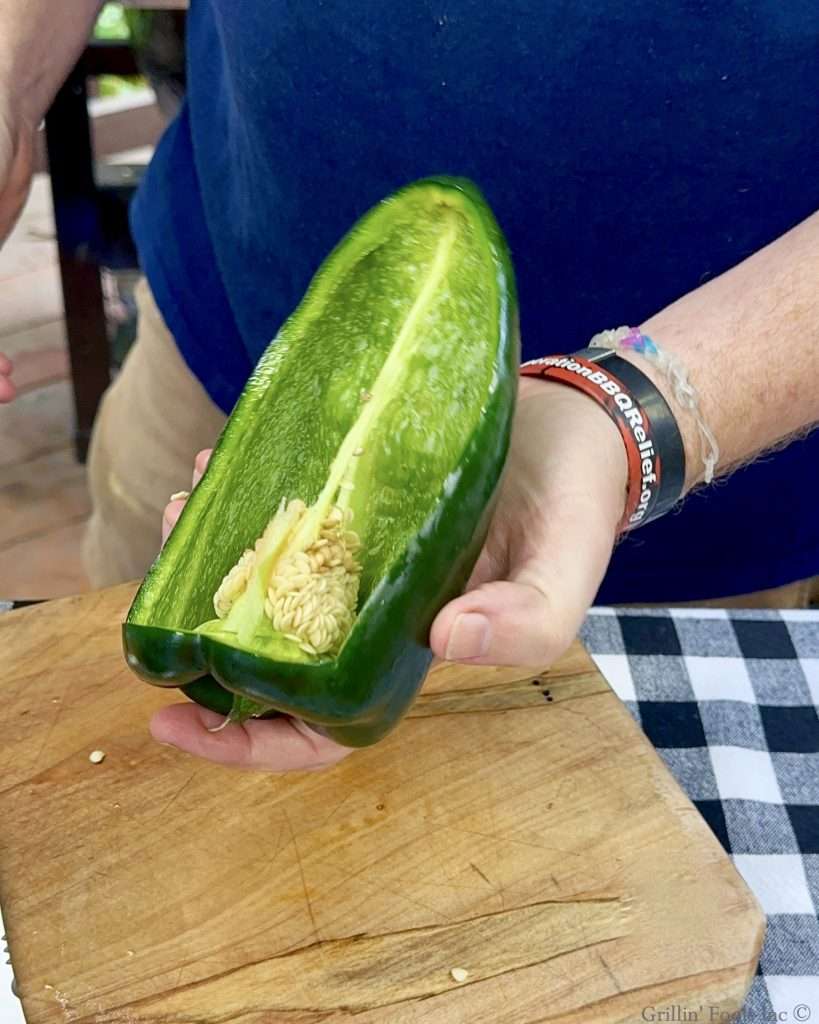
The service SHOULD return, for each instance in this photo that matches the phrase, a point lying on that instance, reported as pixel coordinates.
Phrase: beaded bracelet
(682, 390)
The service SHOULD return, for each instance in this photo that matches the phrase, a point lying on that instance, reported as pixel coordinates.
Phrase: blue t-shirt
(631, 150)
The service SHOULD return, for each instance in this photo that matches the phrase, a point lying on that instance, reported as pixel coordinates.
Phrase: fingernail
(469, 638)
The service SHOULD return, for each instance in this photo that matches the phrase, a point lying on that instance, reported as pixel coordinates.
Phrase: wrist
(653, 445)
(686, 421)
(597, 452)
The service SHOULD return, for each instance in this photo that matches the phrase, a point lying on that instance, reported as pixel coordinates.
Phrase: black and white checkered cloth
(731, 702)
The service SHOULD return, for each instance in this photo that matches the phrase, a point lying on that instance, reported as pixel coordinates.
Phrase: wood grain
(516, 825)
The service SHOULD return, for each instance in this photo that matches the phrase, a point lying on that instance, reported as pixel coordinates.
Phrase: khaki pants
(153, 420)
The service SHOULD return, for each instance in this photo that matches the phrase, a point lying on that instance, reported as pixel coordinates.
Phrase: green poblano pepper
(351, 489)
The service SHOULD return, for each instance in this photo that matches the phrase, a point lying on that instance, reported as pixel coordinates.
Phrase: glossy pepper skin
(357, 696)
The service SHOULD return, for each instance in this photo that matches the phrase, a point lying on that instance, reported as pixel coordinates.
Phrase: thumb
(500, 623)
(532, 617)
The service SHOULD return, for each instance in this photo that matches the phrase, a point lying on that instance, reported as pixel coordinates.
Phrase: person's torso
(630, 151)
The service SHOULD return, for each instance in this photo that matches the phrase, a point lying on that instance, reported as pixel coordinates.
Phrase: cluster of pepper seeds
(312, 594)
(234, 584)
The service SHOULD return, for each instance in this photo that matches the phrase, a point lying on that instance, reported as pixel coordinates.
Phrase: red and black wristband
(654, 445)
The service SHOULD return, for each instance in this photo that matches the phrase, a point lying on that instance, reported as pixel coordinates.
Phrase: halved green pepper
(352, 486)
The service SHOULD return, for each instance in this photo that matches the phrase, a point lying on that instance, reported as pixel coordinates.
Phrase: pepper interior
(352, 422)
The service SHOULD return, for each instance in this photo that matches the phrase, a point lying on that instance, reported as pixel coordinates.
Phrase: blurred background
(66, 278)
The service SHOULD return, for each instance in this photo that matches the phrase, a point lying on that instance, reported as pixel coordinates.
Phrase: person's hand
(7, 389)
(273, 744)
(551, 537)
(16, 166)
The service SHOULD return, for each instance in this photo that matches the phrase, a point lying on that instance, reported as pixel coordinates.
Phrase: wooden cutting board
(517, 826)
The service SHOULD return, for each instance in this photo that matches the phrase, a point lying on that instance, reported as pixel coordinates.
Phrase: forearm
(750, 343)
(39, 42)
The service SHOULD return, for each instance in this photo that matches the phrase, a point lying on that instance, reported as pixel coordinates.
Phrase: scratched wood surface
(517, 826)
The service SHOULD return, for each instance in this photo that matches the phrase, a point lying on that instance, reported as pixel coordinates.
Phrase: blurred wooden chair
(91, 200)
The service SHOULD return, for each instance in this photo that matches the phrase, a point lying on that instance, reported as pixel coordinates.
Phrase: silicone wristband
(654, 446)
